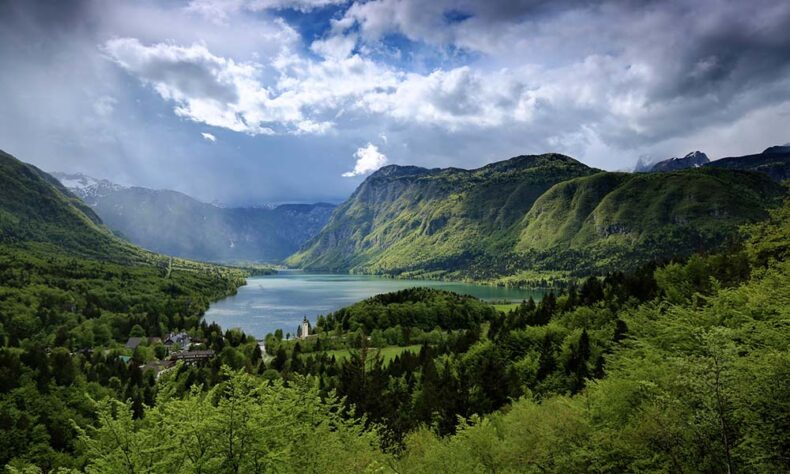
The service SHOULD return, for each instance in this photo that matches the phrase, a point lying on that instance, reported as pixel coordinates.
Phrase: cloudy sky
(260, 101)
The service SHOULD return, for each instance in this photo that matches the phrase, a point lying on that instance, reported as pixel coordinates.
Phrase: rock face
(176, 224)
(694, 159)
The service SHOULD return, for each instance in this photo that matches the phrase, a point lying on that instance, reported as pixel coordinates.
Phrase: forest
(676, 367)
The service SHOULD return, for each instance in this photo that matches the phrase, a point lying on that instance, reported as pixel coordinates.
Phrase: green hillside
(61, 268)
(539, 213)
(404, 219)
(35, 208)
(611, 220)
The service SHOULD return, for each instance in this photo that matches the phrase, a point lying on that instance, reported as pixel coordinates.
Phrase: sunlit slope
(546, 212)
(409, 218)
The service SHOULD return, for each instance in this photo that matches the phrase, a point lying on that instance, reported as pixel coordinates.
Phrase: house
(193, 357)
(133, 342)
(181, 338)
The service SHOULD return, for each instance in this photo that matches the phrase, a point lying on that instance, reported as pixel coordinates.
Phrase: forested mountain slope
(617, 220)
(546, 213)
(71, 293)
(405, 218)
(36, 208)
(176, 224)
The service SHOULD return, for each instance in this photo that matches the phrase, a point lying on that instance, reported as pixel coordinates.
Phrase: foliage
(240, 425)
(422, 308)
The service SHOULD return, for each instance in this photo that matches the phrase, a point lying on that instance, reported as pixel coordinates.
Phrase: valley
(597, 283)
(176, 224)
(394, 237)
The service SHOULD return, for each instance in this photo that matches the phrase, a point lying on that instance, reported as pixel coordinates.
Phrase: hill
(176, 224)
(546, 212)
(36, 209)
(405, 218)
(41, 219)
(619, 220)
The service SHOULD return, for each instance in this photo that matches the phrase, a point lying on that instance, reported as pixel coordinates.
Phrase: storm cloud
(294, 91)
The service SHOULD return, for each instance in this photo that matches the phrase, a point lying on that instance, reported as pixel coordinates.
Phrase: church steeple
(304, 329)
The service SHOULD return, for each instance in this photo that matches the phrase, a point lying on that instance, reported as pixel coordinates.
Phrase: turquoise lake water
(280, 301)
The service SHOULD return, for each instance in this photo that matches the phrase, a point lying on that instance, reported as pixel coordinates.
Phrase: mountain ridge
(773, 161)
(174, 223)
(538, 212)
(447, 210)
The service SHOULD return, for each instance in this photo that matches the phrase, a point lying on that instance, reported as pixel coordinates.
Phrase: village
(175, 348)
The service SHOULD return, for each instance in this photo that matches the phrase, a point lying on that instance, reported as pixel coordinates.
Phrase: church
(303, 331)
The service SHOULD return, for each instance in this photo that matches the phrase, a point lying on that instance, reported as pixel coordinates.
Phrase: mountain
(545, 212)
(176, 224)
(617, 220)
(694, 159)
(406, 218)
(35, 209)
(774, 161)
(777, 149)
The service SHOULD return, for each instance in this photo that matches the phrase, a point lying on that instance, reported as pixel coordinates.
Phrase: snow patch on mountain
(87, 187)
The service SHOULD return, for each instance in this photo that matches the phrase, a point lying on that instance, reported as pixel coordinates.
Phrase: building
(193, 357)
(303, 331)
(181, 338)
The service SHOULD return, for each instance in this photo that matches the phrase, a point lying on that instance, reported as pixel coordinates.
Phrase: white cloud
(335, 46)
(209, 89)
(308, 95)
(456, 98)
(208, 137)
(369, 159)
(583, 79)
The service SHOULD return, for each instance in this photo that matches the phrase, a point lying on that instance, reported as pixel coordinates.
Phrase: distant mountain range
(176, 224)
(694, 159)
(774, 161)
(537, 213)
(541, 212)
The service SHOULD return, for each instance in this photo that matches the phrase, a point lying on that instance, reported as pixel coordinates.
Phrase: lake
(280, 301)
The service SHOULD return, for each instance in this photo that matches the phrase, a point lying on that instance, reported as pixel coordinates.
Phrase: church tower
(304, 329)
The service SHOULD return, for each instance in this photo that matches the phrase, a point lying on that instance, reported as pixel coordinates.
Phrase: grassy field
(387, 353)
(506, 308)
